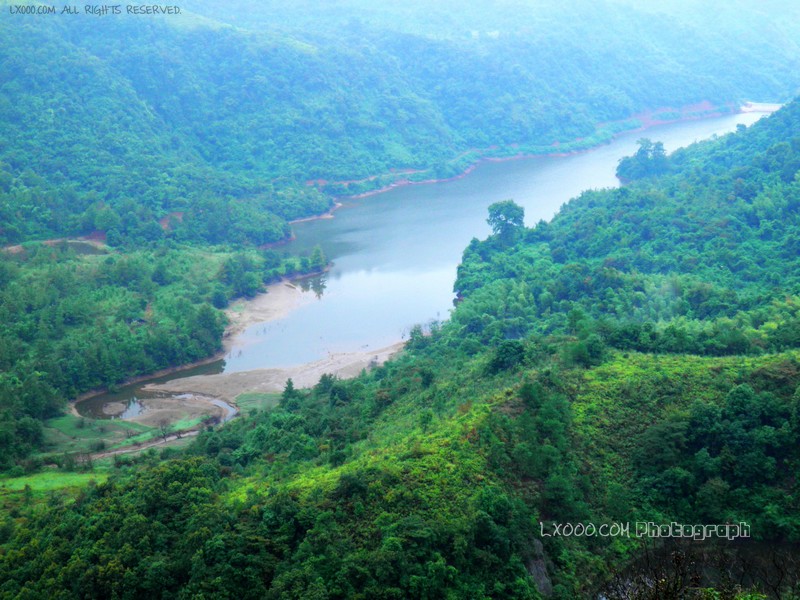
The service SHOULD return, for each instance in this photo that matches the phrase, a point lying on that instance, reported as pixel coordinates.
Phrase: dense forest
(637, 358)
(203, 130)
(634, 359)
(115, 127)
(73, 322)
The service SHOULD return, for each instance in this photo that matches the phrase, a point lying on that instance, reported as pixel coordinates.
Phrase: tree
(290, 396)
(506, 218)
(650, 159)
(164, 428)
(507, 356)
(318, 261)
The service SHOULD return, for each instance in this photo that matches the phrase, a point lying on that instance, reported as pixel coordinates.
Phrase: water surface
(129, 397)
(395, 254)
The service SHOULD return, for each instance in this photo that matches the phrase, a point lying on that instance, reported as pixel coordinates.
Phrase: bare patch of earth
(227, 386)
(158, 411)
(113, 408)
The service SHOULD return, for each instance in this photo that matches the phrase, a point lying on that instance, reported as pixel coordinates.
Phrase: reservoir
(395, 254)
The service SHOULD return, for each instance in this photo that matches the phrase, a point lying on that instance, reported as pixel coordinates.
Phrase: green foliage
(650, 159)
(506, 219)
(72, 323)
(678, 264)
(508, 355)
(620, 362)
(177, 150)
(68, 436)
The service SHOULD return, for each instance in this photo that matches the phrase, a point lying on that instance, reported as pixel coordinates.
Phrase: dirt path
(161, 441)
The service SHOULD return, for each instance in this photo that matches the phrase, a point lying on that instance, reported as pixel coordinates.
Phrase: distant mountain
(244, 102)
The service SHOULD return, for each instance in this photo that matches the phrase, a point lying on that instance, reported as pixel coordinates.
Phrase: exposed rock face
(537, 567)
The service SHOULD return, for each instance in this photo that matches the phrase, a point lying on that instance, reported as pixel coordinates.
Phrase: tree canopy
(506, 218)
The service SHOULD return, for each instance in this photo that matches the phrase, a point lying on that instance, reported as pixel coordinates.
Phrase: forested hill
(113, 122)
(702, 258)
(636, 359)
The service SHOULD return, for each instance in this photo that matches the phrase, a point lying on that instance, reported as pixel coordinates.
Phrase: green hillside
(632, 360)
(140, 118)
(636, 359)
(194, 133)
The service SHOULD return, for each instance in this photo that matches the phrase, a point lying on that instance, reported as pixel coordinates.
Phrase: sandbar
(227, 386)
(158, 411)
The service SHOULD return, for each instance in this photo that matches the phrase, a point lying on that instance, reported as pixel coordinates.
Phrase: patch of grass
(184, 424)
(70, 433)
(154, 433)
(257, 400)
(238, 307)
(146, 436)
(50, 480)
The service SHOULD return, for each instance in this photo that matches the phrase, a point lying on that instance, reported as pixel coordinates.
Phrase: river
(395, 254)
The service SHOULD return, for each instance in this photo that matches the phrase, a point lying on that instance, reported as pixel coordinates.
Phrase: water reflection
(133, 409)
(315, 284)
(230, 411)
(130, 400)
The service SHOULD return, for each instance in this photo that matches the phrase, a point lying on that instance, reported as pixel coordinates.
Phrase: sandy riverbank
(280, 299)
(277, 302)
(227, 386)
(192, 397)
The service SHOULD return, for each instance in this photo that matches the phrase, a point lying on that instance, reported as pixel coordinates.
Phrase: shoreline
(227, 386)
(282, 297)
(278, 300)
(262, 308)
(275, 302)
(648, 123)
(647, 118)
(241, 314)
(326, 215)
(88, 395)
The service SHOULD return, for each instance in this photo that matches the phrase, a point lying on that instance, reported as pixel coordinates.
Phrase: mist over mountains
(251, 101)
